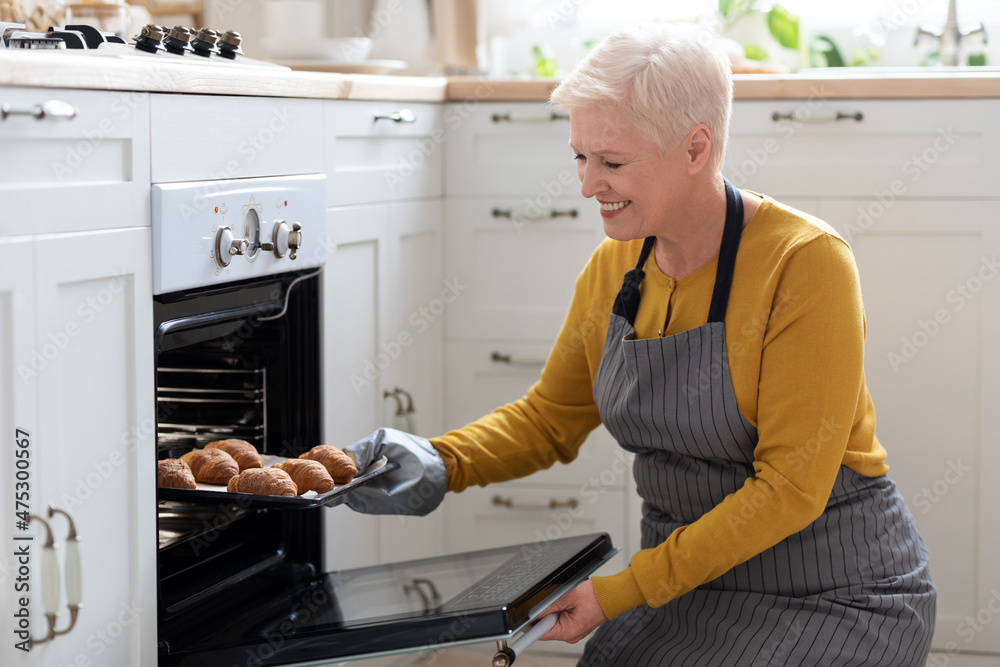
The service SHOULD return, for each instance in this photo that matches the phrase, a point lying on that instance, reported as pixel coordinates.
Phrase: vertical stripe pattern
(851, 589)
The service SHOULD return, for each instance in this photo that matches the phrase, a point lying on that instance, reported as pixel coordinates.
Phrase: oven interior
(239, 361)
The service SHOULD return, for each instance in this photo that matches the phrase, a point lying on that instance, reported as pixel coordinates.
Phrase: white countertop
(72, 70)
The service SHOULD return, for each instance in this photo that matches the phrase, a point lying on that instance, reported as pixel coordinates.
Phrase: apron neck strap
(727, 253)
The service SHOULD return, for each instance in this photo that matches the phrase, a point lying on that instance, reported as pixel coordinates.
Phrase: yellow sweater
(795, 341)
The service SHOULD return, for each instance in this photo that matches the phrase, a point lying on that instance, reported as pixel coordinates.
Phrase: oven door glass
(457, 599)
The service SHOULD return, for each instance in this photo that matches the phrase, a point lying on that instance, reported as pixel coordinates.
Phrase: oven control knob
(279, 239)
(226, 246)
(294, 239)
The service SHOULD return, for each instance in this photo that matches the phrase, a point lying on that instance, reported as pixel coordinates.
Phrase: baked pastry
(175, 474)
(340, 466)
(212, 466)
(263, 481)
(308, 475)
(246, 455)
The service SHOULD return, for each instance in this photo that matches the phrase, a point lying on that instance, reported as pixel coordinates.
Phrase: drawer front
(91, 170)
(508, 149)
(519, 264)
(501, 515)
(211, 138)
(483, 376)
(371, 157)
(877, 148)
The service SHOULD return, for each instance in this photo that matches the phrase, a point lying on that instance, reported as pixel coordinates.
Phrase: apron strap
(627, 302)
(727, 253)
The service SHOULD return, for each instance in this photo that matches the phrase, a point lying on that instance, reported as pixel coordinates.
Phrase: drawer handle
(513, 360)
(50, 109)
(553, 504)
(543, 214)
(530, 116)
(817, 117)
(401, 116)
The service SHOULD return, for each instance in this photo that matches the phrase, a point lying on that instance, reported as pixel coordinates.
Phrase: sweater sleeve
(810, 378)
(548, 424)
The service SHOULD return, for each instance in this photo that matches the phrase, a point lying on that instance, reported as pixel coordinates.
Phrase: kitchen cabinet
(77, 365)
(384, 301)
(382, 151)
(517, 234)
(913, 191)
(78, 151)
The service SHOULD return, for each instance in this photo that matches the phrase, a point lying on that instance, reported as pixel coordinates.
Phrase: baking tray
(217, 494)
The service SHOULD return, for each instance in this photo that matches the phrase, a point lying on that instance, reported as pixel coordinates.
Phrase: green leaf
(829, 50)
(784, 27)
(977, 59)
(754, 52)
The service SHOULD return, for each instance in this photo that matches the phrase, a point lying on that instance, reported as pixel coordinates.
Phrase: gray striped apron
(853, 588)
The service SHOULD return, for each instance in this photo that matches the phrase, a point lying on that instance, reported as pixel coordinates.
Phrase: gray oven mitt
(416, 487)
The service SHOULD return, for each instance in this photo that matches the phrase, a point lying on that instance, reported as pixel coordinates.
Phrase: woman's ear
(698, 145)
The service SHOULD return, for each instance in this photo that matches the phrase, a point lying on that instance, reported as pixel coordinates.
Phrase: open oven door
(481, 596)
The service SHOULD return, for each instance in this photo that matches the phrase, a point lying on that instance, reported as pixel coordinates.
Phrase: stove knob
(279, 239)
(204, 42)
(226, 246)
(229, 44)
(295, 239)
(179, 40)
(149, 38)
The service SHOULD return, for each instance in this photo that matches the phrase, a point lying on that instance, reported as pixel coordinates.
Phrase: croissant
(340, 466)
(307, 475)
(212, 466)
(175, 474)
(263, 481)
(246, 455)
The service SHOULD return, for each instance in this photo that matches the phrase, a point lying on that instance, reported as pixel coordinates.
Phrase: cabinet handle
(73, 571)
(401, 116)
(50, 109)
(553, 504)
(543, 214)
(817, 117)
(530, 116)
(513, 360)
(50, 581)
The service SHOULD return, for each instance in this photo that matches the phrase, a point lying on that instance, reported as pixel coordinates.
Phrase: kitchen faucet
(950, 35)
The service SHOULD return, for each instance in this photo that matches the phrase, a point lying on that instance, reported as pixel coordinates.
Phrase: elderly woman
(731, 365)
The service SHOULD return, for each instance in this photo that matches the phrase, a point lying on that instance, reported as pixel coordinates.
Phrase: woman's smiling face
(638, 188)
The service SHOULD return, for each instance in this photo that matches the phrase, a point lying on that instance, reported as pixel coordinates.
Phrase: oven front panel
(207, 233)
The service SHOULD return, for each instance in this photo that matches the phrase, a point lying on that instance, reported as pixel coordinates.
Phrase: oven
(238, 354)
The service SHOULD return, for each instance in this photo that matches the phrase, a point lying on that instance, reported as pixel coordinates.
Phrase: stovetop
(155, 43)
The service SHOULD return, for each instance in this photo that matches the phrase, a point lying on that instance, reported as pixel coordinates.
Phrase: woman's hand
(581, 614)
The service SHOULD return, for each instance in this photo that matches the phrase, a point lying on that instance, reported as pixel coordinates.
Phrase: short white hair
(662, 79)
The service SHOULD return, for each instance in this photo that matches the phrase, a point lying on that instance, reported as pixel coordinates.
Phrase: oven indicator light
(216, 209)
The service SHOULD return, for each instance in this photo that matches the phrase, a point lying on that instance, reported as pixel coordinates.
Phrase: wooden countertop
(69, 70)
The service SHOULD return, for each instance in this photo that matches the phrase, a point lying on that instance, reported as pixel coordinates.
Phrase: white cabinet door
(418, 298)
(353, 316)
(382, 330)
(520, 262)
(18, 421)
(92, 446)
(929, 275)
